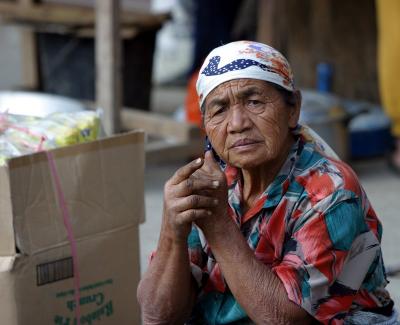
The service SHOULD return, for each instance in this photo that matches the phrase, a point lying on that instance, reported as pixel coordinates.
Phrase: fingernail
(215, 184)
(215, 201)
(198, 161)
(209, 212)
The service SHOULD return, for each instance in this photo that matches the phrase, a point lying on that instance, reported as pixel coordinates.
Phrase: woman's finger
(192, 215)
(194, 202)
(194, 185)
(184, 172)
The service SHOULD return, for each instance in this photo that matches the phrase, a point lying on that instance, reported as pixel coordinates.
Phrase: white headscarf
(243, 59)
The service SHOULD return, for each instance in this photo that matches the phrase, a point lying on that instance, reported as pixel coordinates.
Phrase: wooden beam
(162, 151)
(174, 141)
(108, 63)
(73, 15)
(159, 125)
(90, 32)
(25, 3)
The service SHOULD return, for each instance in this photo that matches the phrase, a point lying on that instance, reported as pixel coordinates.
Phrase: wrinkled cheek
(274, 140)
(274, 135)
(216, 136)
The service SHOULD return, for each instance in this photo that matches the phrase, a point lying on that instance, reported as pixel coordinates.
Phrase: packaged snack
(7, 150)
(30, 134)
(87, 123)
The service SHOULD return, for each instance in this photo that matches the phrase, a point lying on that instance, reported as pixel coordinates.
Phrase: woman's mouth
(242, 143)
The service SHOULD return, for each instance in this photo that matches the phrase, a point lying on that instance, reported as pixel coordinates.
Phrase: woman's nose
(238, 119)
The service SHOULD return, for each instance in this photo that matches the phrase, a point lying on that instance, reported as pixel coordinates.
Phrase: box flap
(102, 182)
(7, 263)
(7, 240)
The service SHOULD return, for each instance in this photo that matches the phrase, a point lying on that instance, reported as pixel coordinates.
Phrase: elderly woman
(267, 228)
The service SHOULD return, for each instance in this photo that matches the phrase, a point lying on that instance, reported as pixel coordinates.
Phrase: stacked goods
(21, 135)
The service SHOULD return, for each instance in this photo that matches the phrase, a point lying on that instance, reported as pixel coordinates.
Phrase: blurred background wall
(340, 32)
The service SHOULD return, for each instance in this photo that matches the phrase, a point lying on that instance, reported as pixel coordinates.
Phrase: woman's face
(248, 122)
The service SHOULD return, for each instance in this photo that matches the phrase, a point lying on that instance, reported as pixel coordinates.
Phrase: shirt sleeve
(327, 257)
(197, 256)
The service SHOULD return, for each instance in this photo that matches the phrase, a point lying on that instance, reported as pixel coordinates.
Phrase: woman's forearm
(166, 292)
(256, 288)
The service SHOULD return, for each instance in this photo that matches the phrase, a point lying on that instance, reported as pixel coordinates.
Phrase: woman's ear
(295, 110)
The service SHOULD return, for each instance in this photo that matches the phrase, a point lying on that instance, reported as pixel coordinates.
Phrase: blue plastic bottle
(324, 77)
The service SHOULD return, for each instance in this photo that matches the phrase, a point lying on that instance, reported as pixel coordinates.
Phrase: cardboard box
(103, 186)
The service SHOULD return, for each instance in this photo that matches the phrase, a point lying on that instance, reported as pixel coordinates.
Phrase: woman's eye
(254, 103)
(218, 110)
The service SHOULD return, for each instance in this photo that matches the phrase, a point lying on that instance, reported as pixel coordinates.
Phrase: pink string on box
(42, 138)
(68, 226)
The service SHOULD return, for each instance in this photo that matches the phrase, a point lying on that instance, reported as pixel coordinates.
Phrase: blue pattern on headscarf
(212, 68)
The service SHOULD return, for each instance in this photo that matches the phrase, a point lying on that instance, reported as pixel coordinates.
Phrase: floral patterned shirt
(316, 230)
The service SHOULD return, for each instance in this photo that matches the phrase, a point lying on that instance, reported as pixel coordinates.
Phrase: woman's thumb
(209, 160)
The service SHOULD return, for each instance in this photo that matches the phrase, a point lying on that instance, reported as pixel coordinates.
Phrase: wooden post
(108, 63)
(30, 79)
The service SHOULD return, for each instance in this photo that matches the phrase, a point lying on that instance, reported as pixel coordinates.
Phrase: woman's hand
(188, 198)
(211, 171)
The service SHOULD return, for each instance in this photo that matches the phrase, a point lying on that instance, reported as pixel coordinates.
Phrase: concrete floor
(381, 185)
